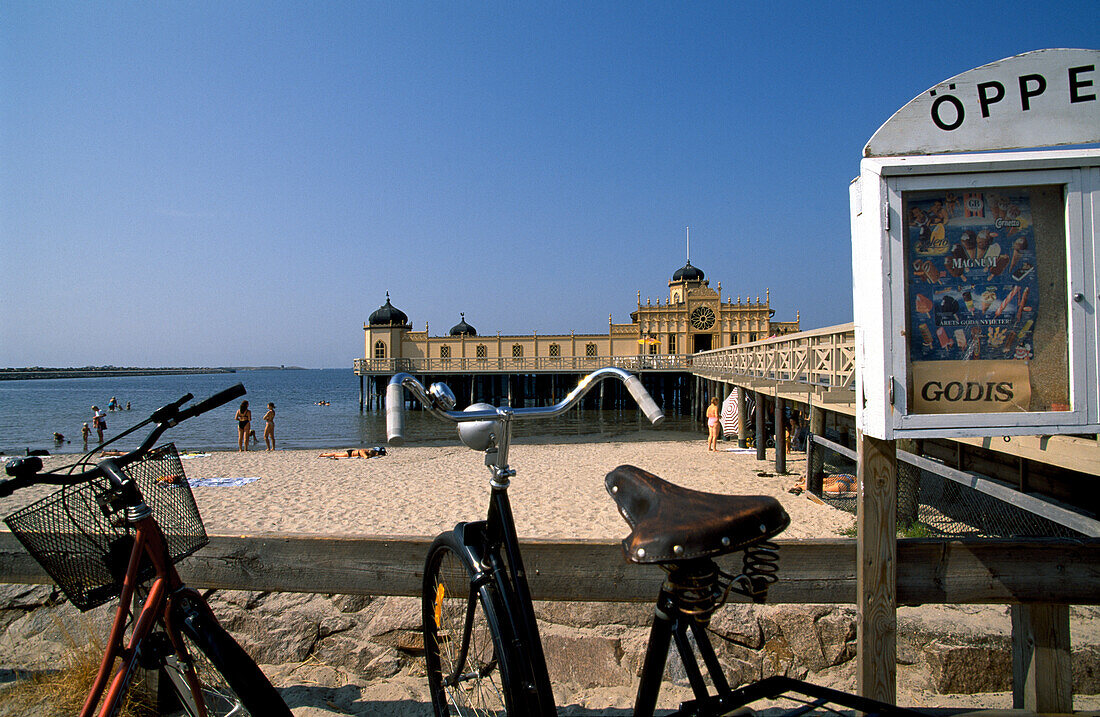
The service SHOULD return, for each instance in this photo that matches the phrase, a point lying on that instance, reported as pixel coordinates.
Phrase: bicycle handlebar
(27, 472)
(395, 405)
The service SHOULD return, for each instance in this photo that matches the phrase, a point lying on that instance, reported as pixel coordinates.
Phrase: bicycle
(117, 530)
(482, 646)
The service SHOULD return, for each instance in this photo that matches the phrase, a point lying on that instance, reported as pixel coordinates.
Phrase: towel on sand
(220, 482)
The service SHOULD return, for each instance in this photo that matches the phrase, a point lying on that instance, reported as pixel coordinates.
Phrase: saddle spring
(697, 588)
(701, 587)
(759, 569)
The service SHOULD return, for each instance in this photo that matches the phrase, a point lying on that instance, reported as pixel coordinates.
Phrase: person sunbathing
(354, 453)
(833, 485)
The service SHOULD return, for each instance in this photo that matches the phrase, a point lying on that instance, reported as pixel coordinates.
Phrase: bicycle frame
(149, 542)
(484, 542)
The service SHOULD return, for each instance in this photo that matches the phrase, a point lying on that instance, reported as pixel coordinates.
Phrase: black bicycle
(482, 645)
(117, 530)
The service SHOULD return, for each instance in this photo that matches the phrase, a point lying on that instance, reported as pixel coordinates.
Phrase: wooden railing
(821, 357)
(533, 364)
(812, 571)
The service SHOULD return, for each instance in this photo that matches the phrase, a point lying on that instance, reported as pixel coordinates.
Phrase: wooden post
(876, 570)
(1042, 679)
(780, 436)
(815, 459)
(743, 417)
(761, 439)
(360, 393)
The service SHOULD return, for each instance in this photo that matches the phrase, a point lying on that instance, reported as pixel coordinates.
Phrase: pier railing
(520, 365)
(820, 357)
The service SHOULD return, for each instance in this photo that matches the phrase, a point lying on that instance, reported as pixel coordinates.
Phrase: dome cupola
(688, 273)
(388, 315)
(462, 328)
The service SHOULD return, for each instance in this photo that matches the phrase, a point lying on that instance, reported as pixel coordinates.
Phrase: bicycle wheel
(231, 682)
(475, 680)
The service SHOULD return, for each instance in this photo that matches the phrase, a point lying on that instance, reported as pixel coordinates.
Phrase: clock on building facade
(702, 317)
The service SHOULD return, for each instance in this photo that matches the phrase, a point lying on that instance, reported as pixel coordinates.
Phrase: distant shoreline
(12, 374)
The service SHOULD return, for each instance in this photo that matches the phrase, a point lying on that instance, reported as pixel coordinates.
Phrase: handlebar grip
(395, 414)
(645, 401)
(218, 399)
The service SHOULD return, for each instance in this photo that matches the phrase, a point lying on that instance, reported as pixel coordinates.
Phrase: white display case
(975, 294)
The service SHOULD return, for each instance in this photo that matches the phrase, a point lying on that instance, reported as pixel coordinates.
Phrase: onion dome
(688, 273)
(462, 328)
(388, 315)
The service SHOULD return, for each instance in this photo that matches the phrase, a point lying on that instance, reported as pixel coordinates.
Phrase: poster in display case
(985, 300)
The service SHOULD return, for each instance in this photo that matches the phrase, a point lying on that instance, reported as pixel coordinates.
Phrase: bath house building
(660, 337)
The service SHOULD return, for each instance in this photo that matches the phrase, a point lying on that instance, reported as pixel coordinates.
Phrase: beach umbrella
(730, 418)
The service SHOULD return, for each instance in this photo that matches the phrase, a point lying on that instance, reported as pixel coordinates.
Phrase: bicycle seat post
(496, 456)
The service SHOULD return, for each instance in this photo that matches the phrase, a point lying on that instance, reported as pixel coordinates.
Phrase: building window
(481, 351)
(379, 350)
(733, 339)
(517, 350)
(555, 351)
(444, 352)
(653, 346)
(590, 350)
(752, 336)
(672, 343)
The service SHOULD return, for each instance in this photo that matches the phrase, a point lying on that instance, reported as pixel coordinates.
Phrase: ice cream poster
(973, 300)
(973, 287)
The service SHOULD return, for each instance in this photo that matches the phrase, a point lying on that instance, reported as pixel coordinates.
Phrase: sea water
(314, 408)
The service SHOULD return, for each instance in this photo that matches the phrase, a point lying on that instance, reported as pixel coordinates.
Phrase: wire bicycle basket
(80, 537)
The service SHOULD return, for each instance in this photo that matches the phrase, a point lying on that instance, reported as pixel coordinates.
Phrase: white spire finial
(687, 238)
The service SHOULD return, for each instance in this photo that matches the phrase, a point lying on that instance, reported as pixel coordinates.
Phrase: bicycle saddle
(671, 523)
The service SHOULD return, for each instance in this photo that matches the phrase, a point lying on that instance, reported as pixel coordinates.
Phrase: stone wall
(356, 639)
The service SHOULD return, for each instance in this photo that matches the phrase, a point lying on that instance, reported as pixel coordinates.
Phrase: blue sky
(240, 184)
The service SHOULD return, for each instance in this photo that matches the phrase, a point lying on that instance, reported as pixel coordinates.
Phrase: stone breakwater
(346, 654)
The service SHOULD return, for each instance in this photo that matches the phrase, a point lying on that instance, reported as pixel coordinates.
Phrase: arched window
(379, 349)
(517, 350)
(590, 350)
(555, 350)
(482, 351)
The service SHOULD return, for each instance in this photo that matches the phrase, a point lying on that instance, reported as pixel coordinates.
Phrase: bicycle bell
(478, 435)
(442, 396)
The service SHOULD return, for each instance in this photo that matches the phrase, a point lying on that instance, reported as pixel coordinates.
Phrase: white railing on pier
(533, 364)
(819, 357)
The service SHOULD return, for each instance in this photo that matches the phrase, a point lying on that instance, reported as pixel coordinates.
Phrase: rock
(837, 633)
(969, 668)
(799, 630)
(583, 658)
(397, 623)
(1086, 669)
(594, 614)
(335, 624)
(776, 658)
(27, 597)
(738, 623)
(351, 603)
(290, 637)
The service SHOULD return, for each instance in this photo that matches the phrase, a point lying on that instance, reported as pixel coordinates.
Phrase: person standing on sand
(244, 425)
(99, 422)
(84, 433)
(269, 427)
(712, 425)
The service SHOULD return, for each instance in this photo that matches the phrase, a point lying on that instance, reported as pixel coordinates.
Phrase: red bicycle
(117, 530)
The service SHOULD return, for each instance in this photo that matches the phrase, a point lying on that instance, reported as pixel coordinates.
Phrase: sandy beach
(421, 490)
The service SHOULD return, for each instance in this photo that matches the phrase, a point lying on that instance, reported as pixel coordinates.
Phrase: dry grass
(62, 691)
